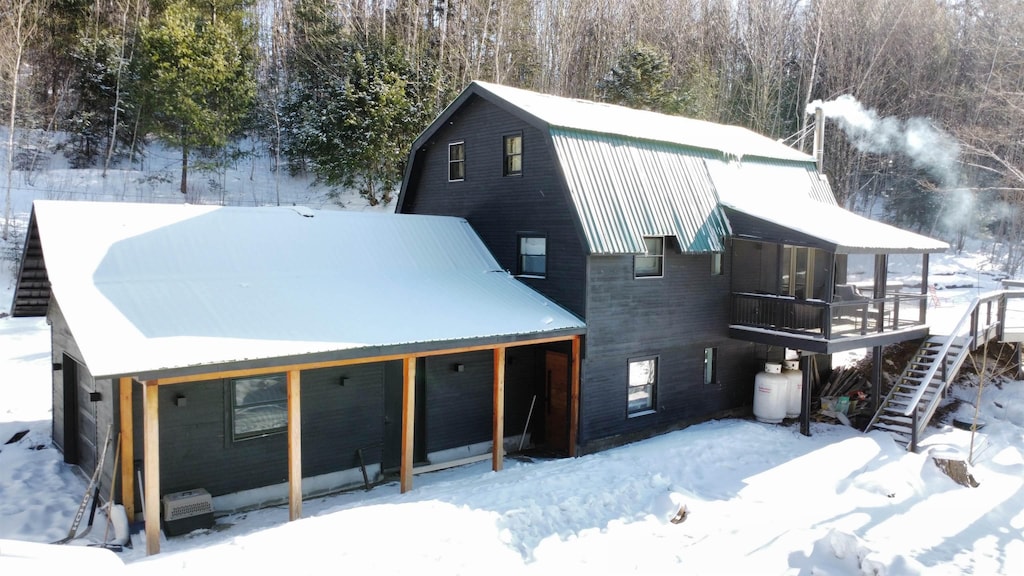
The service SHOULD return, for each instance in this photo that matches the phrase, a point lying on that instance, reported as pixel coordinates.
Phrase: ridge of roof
(599, 117)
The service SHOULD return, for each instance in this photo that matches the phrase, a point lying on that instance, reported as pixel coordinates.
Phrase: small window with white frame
(643, 381)
(716, 263)
(513, 145)
(456, 161)
(652, 263)
(533, 255)
(259, 406)
(710, 366)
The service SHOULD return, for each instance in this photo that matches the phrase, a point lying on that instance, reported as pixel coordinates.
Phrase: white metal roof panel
(148, 287)
(556, 111)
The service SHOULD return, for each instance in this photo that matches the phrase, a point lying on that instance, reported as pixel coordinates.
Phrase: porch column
(151, 464)
(574, 395)
(498, 418)
(127, 448)
(876, 379)
(925, 286)
(805, 394)
(294, 383)
(408, 421)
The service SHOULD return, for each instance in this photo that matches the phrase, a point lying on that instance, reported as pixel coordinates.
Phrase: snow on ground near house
(760, 498)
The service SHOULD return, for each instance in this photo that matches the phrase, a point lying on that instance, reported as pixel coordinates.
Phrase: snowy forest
(339, 89)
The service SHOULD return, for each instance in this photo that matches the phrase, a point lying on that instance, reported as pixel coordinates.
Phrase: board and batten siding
(499, 207)
(675, 318)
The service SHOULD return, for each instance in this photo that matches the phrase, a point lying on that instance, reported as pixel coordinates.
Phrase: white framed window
(643, 382)
(259, 406)
(716, 264)
(513, 146)
(456, 161)
(533, 255)
(651, 264)
(710, 366)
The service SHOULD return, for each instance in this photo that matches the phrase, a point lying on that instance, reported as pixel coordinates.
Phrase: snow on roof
(570, 113)
(147, 287)
(746, 188)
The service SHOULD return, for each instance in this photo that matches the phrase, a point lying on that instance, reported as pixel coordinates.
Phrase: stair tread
(893, 428)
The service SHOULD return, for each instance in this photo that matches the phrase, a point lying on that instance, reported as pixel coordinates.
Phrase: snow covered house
(266, 354)
(695, 252)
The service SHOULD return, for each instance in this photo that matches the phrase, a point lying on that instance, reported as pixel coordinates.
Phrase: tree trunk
(184, 168)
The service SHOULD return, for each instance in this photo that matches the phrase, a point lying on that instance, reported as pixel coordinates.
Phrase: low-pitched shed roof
(147, 287)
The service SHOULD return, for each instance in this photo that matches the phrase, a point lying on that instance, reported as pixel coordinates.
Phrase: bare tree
(20, 20)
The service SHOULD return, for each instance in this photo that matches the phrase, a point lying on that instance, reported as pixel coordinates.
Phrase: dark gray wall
(675, 318)
(498, 207)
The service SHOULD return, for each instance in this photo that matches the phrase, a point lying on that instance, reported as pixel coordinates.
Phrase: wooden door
(556, 423)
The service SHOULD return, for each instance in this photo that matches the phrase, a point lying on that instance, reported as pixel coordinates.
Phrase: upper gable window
(456, 161)
(533, 255)
(651, 264)
(513, 154)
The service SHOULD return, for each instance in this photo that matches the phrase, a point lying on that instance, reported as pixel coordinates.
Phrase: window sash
(533, 255)
(651, 264)
(513, 154)
(710, 368)
(456, 161)
(259, 405)
(643, 378)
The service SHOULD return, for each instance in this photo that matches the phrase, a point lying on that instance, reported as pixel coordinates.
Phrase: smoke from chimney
(928, 147)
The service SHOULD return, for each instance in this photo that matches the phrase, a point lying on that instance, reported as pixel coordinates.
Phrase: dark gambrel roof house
(694, 251)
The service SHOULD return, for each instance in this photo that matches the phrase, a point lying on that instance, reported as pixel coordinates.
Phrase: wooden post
(151, 464)
(294, 445)
(805, 394)
(574, 395)
(127, 449)
(498, 422)
(408, 421)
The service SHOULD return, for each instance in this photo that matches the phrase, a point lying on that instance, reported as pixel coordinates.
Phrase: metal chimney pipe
(819, 138)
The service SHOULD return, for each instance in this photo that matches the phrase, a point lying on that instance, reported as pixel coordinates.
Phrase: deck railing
(828, 320)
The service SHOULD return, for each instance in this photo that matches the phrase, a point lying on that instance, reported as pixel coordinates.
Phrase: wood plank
(574, 385)
(498, 416)
(451, 464)
(408, 421)
(294, 383)
(151, 465)
(127, 449)
(244, 372)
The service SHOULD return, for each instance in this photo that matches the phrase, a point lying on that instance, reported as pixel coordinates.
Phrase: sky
(759, 498)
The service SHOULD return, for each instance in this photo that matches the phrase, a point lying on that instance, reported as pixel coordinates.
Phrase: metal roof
(147, 287)
(584, 115)
(624, 189)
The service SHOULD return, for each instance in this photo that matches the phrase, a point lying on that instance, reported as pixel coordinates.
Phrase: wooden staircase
(916, 394)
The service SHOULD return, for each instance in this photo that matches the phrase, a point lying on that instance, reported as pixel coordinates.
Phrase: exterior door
(556, 422)
(79, 416)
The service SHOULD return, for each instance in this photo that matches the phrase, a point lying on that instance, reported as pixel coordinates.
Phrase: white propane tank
(796, 387)
(770, 394)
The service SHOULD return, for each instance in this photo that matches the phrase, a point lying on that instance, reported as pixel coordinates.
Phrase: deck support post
(151, 464)
(294, 383)
(876, 378)
(498, 418)
(127, 448)
(805, 394)
(408, 421)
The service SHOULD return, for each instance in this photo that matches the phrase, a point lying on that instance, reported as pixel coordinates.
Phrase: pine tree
(197, 75)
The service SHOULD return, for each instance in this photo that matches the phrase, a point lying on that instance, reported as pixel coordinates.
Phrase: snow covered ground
(759, 498)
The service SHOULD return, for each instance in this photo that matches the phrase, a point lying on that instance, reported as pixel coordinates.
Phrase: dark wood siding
(197, 451)
(498, 207)
(675, 318)
(459, 404)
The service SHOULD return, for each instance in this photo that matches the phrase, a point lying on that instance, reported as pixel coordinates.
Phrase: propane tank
(770, 394)
(795, 376)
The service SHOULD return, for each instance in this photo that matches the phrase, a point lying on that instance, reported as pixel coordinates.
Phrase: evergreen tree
(355, 107)
(197, 75)
(638, 80)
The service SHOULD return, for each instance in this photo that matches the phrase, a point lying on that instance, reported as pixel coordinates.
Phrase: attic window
(533, 254)
(651, 264)
(456, 161)
(259, 406)
(513, 155)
